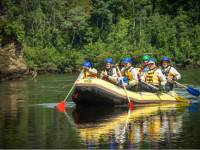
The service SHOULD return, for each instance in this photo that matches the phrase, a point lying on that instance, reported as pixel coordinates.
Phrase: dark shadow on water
(95, 114)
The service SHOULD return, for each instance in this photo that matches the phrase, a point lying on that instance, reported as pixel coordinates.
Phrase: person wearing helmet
(170, 73)
(144, 66)
(109, 73)
(153, 76)
(145, 59)
(88, 71)
(130, 73)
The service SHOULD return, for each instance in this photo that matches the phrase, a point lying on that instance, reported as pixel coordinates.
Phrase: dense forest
(60, 34)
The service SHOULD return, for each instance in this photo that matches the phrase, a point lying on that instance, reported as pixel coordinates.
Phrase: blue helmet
(127, 60)
(151, 61)
(87, 64)
(108, 60)
(165, 59)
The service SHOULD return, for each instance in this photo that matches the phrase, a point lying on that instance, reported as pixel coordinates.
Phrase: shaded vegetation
(59, 34)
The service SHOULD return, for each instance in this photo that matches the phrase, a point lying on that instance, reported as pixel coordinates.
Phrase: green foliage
(61, 34)
(15, 30)
(50, 59)
(42, 58)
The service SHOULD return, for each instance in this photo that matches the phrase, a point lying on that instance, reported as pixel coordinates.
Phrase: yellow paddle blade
(182, 100)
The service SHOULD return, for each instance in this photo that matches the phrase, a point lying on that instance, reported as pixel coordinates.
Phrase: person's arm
(143, 77)
(123, 70)
(175, 73)
(135, 79)
(93, 71)
(114, 77)
(135, 74)
(82, 75)
(162, 77)
(102, 74)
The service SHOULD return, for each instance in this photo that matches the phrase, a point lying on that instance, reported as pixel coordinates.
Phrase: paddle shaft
(123, 85)
(178, 98)
(72, 87)
(152, 86)
(69, 92)
(181, 85)
(189, 89)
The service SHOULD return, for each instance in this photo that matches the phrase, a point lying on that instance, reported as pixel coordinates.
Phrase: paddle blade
(193, 91)
(182, 100)
(130, 105)
(61, 106)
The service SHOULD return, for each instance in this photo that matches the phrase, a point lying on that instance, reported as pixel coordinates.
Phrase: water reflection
(25, 119)
(12, 111)
(143, 127)
(13, 101)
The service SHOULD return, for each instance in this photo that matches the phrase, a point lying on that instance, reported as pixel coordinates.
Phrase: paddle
(129, 101)
(62, 105)
(154, 87)
(189, 89)
(178, 98)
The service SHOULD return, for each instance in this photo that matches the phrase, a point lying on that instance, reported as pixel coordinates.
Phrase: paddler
(144, 66)
(109, 73)
(170, 73)
(130, 73)
(153, 76)
(88, 70)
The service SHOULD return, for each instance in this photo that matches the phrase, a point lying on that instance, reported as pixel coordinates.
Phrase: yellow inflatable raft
(96, 91)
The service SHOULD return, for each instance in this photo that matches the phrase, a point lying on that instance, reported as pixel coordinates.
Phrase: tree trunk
(73, 37)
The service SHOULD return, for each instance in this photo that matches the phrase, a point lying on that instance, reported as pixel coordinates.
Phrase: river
(28, 119)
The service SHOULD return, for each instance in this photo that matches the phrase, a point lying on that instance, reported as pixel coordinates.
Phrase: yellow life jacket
(87, 74)
(152, 77)
(128, 74)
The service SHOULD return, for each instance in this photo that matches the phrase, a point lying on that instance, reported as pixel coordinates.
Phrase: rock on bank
(12, 64)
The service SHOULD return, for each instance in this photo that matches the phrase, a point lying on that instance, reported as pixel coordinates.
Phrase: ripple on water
(53, 105)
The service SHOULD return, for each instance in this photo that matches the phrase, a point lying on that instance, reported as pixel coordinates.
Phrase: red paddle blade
(61, 106)
(130, 105)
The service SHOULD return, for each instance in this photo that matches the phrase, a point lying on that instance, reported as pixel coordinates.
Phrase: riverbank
(12, 63)
(42, 71)
(16, 61)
